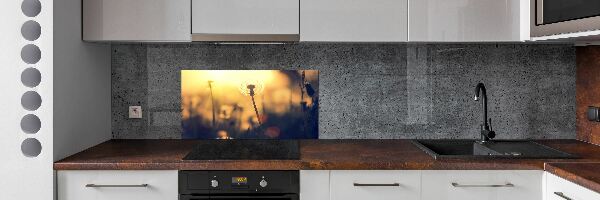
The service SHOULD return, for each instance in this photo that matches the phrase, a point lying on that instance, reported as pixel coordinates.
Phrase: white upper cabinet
(354, 20)
(468, 20)
(245, 20)
(307, 20)
(136, 20)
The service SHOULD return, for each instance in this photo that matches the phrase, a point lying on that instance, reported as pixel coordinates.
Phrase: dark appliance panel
(230, 185)
(248, 197)
(554, 11)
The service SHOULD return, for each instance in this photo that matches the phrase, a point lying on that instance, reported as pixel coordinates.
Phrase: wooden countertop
(584, 174)
(331, 155)
(315, 155)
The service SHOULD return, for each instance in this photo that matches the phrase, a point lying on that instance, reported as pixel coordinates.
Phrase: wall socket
(135, 112)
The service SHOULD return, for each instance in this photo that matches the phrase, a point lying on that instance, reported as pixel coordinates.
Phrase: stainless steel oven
(552, 17)
(234, 185)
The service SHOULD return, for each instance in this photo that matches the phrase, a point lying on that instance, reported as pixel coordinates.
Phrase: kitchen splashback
(368, 91)
(250, 104)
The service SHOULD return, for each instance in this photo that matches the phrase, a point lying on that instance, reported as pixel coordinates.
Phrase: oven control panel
(226, 182)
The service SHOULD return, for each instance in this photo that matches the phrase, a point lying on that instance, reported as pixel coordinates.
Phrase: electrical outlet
(135, 112)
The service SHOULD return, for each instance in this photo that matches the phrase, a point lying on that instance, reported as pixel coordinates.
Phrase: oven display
(239, 180)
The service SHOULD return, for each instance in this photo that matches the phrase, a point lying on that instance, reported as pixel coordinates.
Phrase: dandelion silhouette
(251, 89)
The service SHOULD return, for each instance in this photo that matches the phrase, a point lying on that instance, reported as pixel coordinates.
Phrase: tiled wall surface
(369, 90)
(588, 92)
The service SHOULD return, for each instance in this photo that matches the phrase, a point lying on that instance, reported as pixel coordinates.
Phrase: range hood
(246, 21)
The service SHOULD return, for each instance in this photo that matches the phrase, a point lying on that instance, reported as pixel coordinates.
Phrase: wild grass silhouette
(250, 104)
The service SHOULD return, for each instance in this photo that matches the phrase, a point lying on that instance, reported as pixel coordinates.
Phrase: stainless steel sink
(471, 149)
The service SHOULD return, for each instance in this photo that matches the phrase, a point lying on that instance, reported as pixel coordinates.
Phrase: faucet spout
(486, 132)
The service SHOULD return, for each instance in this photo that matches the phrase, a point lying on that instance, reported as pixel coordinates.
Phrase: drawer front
(314, 184)
(560, 189)
(376, 185)
(482, 185)
(117, 185)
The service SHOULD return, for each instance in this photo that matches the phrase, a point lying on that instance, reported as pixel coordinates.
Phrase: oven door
(552, 17)
(241, 197)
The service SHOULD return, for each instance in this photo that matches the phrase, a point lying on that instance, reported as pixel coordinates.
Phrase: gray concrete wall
(369, 90)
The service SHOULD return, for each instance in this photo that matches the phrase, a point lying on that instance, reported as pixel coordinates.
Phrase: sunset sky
(275, 93)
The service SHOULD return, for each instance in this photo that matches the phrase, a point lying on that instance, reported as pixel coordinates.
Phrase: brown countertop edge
(584, 174)
(387, 154)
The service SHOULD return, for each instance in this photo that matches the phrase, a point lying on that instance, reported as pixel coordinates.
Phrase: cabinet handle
(491, 185)
(376, 185)
(561, 195)
(114, 186)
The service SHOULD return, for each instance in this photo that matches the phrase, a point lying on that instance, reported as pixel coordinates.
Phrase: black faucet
(486, 129)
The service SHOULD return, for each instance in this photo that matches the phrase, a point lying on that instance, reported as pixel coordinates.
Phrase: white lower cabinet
(375, 185)
(422, 184)
(341, 185)
(117, 185)
(560, 189)
(314, 184)
(482, 185)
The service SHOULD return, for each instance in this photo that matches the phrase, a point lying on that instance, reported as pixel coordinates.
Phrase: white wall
(82, 78)
(24, 177)
(82, 93)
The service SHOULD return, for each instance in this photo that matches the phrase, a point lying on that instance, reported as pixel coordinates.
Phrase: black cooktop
(245, 150)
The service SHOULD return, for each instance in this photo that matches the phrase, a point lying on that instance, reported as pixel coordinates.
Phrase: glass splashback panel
(250, 104)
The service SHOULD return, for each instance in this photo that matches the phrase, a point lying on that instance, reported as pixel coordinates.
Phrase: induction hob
(245, 150)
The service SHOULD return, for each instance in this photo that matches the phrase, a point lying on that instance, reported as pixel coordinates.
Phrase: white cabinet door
(245, 16)
(353, 20)
(468, 20)
(482, 185)
(560, 189)
(375, 185)
(314, 185)
(117, 185)
(136, 20)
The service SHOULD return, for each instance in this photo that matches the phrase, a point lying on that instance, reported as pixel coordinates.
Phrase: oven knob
(263, 183)
(214, 183)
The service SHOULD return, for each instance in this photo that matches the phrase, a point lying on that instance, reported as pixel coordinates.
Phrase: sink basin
(471, 149)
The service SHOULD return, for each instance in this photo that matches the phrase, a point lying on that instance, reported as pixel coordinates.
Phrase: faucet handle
(491, 133)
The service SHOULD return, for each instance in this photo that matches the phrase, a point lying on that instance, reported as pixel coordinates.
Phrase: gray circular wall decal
(31, 8)
(31, 147)
(31, 30)
(31, 100)
(30, 124)
(31, 54)
(31, 77)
